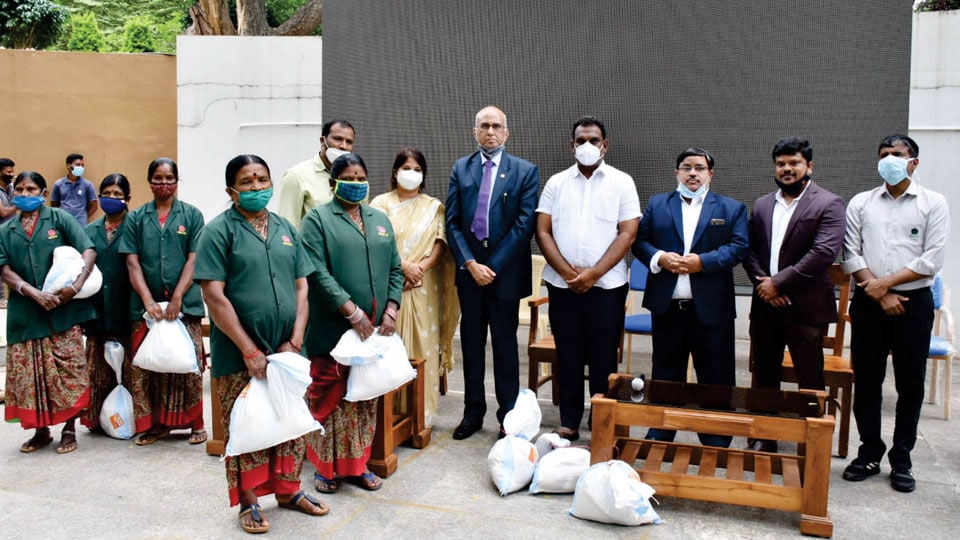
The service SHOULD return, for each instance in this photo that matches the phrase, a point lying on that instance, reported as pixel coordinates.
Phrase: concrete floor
(114, 489)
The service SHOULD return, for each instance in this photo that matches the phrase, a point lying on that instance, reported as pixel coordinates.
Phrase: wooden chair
(941, 344)
(216, 446)
(394, 428)
(636, 323)
(837, 370)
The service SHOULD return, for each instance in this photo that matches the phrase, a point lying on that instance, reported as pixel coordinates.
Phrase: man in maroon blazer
(796, 233)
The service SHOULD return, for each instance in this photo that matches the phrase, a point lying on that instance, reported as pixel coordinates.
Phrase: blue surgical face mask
(28, 204)
(254, 201)
(686, 192)
(111, 206)
(352, 192)
(893, 169)
(77, 171)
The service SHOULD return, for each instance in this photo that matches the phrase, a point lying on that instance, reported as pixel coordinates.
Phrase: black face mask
(793, 189)
(6, 178)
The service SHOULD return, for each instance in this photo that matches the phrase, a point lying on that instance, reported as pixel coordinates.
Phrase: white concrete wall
(935, 116)
(244, 95)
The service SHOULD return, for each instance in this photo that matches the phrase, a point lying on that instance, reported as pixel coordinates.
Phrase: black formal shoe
(762, 445)
(902, 480)
(465, 429)
(860, 469)
(567, 433)
(502, 433)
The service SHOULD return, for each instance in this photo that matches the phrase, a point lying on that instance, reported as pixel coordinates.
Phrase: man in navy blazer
(796, 233)
(691, 239)
(490, 220)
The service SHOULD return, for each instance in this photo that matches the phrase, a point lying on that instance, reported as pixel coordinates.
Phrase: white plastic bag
(549, 442)
(167, 348)
(612, 492)
(558, 471)
(66, 267)
(524, 419)
(116, 415)
(377, 366)
(512, 461)
(272, 411)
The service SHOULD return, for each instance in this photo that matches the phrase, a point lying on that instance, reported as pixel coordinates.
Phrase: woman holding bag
(358, 284)
(160, 244)
(253, 270)
(113, 301)
(46, 370)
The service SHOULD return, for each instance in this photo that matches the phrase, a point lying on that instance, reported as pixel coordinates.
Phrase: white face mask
(587, 154)
(409, 179)
(77, 171)
(333, 153)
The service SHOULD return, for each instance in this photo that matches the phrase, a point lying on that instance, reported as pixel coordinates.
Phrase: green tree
(138, 35)
(85, 34)
(26, 24)
(938, 5)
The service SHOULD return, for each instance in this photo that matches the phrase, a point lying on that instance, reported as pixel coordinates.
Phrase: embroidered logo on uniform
(181, 230)
(382, 231)
(286, 240)
(52, 234)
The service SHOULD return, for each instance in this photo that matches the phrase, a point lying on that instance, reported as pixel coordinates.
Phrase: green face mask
(254, 201)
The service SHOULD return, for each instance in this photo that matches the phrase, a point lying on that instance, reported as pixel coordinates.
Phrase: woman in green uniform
(113, 301)
(253, 271)
(160, 244)
(46, 371)
(358, 284)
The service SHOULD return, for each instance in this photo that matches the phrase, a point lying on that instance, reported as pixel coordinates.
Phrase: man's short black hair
(330, 123)
(695, 151)
(73, 157)
(6, 162)
(793, 145)
(892, 140)
(588, 121)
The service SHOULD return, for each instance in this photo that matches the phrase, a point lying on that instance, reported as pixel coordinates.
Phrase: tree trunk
(210, 18)
(252, 18)
(304, 21)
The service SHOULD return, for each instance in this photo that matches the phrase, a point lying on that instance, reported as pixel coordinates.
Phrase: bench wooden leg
(814, 519)
(215, 444)
(383, 461)
(602, 432)
(846, 410)
(421, 433)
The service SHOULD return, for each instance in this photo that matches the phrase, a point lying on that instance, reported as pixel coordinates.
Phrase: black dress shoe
(567, 433)
(860, 469)
(762, 445)
(502, 434)
(465, 429)
(902, 480)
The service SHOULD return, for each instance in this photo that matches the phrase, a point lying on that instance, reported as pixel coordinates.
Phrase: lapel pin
(503, 175)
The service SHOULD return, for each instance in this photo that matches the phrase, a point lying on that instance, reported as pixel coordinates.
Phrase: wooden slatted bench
(395, 428)
(793, 482)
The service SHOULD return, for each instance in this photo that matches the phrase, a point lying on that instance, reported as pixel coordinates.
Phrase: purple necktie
(480, 227)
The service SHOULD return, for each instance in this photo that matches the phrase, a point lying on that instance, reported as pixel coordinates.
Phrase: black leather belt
(682, 304)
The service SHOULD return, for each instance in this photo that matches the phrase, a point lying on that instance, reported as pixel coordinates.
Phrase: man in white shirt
(894, 245)
(796, 233)
(586, 221)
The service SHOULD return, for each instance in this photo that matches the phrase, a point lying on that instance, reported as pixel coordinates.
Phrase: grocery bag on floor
(524, 419)
(512, 461)
(548, 442)
(272, 410)
(66, 267)
(167, 348)
(611, 492)
(558, 471)
(116, 415)
(378, 364)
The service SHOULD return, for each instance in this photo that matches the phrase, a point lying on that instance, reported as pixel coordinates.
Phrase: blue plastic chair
(941, 347)
(636, 323)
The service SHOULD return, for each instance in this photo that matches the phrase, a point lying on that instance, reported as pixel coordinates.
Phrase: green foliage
(138, 35)
(30, 23)
(938, 5)
(166, 19)
(85, 34)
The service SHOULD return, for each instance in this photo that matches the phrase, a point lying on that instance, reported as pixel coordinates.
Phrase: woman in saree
(431, 309)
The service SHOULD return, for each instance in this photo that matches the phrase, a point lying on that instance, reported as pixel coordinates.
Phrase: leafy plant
(85, 34)
(30, 23)
(138, 35)
(938, 5)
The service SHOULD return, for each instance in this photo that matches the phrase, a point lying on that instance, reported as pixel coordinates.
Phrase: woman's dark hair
(155, 164)
(343, 162)
(402, 157)
(116, 179)
(239, 162)
(37, 178)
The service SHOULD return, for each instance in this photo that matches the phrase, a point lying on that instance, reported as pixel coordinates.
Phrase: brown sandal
(67, 445)
(36, 443)
(294, 504)
(151, 437)
(198, 437)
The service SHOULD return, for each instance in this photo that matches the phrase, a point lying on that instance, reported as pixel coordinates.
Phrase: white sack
(116, 415)
(512, 461)
(272, 410)
(612, 492)
(549, 442)
(66, 267)
(524, 419)
(167, 348)
(377, 366)
(558, 471)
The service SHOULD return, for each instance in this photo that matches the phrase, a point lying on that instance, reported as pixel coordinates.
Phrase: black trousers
(481, 309)
(586, 330)
(676, 335)
(874, 335)
(773, 328)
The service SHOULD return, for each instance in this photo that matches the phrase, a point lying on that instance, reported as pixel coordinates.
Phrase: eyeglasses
(486, 126)
(686, 169)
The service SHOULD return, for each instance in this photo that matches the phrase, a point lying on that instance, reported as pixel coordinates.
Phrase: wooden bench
(394, 429)
(794, 482)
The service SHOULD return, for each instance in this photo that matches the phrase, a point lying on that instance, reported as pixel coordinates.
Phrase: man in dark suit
(796, 233)
(490, 221)
(691, 239)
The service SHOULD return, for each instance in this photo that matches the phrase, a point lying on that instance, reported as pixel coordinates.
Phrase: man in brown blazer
(796, 233)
